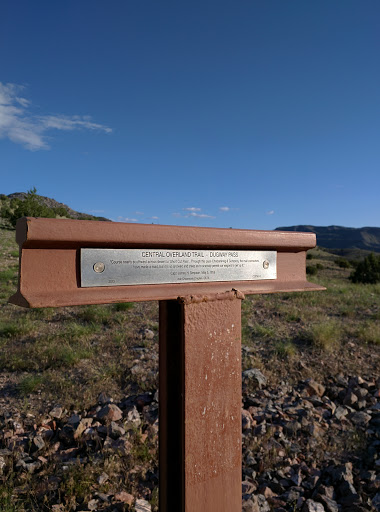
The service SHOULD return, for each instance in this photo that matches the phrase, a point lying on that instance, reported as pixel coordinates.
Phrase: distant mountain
(52, 203)
(339, 237)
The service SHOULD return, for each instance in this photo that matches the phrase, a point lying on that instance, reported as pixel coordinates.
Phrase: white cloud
(126, 219)
(193, 212)
(139, 213)
(61, 122)
(200, 215)
(21, 126)
(224, 208)
(154, 217)
(270, 212)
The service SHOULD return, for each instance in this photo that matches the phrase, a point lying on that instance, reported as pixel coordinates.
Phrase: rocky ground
(298, 440)
(79, 400)
(307, 447)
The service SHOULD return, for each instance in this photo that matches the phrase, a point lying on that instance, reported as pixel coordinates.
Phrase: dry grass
(326, 334)
(369, 332)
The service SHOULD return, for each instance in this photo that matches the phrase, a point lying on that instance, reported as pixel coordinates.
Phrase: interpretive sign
(199, 276)
(114, 267)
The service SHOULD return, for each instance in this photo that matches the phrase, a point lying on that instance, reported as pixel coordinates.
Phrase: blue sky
(243, 114)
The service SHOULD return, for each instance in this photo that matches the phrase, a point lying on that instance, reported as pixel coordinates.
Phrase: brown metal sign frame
(50, 255)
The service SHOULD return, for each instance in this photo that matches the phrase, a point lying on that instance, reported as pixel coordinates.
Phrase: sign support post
(199, 276)
(200, 404)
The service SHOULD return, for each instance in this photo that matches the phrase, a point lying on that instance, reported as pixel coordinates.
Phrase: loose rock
(142, 506)
(315, 388)
(124, 497)
(110, 412)
(254, 376)
(312, 506)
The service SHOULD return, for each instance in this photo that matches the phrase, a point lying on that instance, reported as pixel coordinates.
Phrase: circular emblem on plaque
(266, 264)
(99, 267)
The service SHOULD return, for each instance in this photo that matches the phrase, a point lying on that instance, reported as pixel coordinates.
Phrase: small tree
(367, 271)
(311, 270)
(342, 263)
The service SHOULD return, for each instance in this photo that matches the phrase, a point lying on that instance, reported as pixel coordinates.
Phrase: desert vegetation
(30, 204)
(367, 271)
(79, 401)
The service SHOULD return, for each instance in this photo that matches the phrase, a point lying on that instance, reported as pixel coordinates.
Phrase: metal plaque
(115, 267)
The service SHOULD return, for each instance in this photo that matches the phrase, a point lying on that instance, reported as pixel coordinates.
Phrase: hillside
(11, 201)
(342, 238)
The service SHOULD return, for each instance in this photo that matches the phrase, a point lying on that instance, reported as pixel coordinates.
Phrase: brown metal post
(200, 404)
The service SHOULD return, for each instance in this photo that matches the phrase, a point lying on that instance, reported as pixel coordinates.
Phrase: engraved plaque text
(115, 267)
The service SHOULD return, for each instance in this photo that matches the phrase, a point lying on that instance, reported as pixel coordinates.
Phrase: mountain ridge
(340, 237)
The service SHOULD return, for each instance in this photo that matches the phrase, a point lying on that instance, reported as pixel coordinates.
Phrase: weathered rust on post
(200, 338)
(200, 404)
(49, 260)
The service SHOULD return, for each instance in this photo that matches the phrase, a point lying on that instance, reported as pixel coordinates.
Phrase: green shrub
(311, 270)
(343, 263)
(123, 306)
(96, 314)
(261, 331)
(369, 333)
(74, 330)
(30, 384)
(36, 357)
(8, 275)
(12, 328)
(325, 335)
(285, 349)
(309, 256)
(60, 211)
(367, 271)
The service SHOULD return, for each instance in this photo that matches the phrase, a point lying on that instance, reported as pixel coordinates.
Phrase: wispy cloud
(126, 219)
(20, 125)
(200, 215)
(192, 209)
(270, 212)
(224, 208)
(193, 212)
